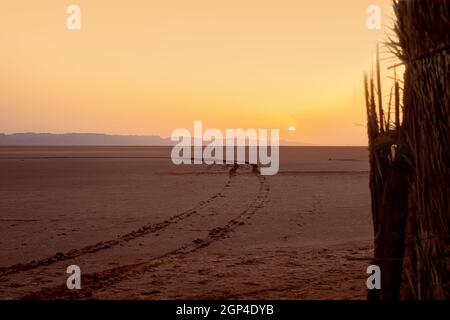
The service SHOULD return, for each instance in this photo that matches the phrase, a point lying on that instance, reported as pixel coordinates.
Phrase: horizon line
(283, 143)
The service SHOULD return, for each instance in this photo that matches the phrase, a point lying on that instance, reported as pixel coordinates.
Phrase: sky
(150, 67)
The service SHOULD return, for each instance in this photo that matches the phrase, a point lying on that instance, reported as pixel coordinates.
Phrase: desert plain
(140, 227)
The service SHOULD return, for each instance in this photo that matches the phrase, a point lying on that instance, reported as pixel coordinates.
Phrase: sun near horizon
(148, 68)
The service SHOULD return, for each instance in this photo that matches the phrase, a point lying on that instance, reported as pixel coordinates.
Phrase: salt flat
(140, 227)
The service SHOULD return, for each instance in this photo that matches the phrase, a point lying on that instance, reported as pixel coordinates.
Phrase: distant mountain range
(81, 139)
(91, 139)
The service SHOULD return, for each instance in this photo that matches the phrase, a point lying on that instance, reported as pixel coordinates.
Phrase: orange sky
(149, 67)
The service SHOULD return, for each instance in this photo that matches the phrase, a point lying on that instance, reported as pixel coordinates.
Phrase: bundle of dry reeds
(423, 31)
(411, 189)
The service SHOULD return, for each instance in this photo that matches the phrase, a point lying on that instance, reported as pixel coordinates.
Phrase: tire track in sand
(103, 245)
(99, 280)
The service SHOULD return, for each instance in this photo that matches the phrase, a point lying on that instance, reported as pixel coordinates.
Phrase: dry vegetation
(410, 160)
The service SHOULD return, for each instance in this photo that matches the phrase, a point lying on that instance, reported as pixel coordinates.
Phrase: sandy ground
(142, 228)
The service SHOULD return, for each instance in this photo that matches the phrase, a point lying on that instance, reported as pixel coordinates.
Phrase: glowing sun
(291, 129)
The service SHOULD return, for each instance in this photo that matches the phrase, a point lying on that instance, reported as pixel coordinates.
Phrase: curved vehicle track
(97, 281)
(103, 245)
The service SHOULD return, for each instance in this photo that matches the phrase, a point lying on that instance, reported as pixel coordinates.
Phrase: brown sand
(142, 228)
